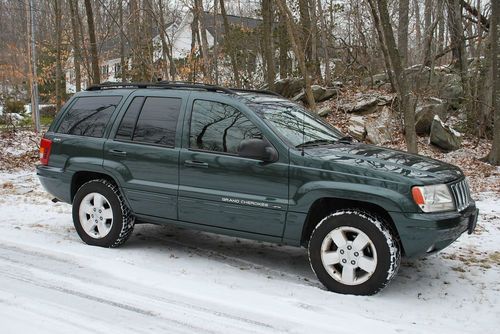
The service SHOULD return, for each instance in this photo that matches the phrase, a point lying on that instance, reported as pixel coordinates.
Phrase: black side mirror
(259, 149)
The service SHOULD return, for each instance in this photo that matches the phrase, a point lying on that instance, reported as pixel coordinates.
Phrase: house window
(118, 70)
(104, 70)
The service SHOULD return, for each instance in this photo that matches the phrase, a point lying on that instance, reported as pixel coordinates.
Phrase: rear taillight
(45, 146)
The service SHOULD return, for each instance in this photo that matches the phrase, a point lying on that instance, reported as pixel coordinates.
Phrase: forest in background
(411, 50)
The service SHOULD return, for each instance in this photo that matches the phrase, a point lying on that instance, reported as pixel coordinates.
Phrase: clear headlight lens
(433, 198)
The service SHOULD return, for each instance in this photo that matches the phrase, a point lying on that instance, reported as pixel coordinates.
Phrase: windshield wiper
(345, 140)
(316, 142)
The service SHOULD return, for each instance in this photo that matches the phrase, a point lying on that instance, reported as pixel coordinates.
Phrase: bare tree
(494, 155)
(298, 49)
(96, 78)
(404, 9)
(228, 36)
(77, 54)
(379, 8)
(267, 41)
(198, 8)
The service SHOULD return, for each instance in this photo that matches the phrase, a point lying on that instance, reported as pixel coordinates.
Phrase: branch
(473, 10)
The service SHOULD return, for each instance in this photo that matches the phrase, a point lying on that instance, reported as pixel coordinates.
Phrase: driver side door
(221, 189)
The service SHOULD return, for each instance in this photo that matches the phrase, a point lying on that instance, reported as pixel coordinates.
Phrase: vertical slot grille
(461, 194)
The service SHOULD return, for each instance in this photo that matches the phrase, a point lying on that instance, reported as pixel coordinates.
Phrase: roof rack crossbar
(260, 91)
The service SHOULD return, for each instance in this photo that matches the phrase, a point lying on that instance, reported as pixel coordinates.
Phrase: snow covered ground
(182, 281)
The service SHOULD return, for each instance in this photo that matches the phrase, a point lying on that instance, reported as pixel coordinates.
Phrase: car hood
(380, 162)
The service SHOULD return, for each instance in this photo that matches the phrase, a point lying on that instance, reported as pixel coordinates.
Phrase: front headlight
(433, 198)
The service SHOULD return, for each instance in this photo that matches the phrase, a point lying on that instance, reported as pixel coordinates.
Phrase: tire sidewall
(104, 189)
(374, 229)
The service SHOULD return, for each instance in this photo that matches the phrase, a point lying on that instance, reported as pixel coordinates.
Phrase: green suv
(249, 164)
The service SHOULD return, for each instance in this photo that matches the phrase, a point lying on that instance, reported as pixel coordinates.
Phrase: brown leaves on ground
(19, 150)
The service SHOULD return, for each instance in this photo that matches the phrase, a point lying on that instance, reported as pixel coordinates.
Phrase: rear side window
(89, 116)
(150, 120)
(127, 125)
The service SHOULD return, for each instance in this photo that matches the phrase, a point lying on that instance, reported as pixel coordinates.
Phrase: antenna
(303, 131)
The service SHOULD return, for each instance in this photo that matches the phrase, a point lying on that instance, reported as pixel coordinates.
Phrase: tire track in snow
(29, 260)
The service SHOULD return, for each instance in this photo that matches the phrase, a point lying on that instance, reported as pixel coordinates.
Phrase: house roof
(215, 23)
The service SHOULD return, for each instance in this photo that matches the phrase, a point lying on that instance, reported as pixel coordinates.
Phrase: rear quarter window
(88, 116)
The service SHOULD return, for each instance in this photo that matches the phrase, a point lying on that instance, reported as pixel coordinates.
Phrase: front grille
(461, 194)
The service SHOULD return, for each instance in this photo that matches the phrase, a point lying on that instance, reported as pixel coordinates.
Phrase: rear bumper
(55, 181)
(424, 233)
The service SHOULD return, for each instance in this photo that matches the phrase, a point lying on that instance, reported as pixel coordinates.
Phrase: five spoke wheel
(96, 215)
(349, 256)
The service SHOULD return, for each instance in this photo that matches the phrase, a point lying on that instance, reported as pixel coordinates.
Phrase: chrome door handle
(118, 153)
(195, 163)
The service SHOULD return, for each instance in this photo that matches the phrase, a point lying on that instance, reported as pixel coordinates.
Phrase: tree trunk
(169, 66)
(404, 8)
(198, 7)
(298, 50)
(401, 81)
(457, 41)
(123, 65)
(96, 79)
(324, 42)
(418, 29)
(77, 55)
(383, 47)
(227, 37)
(494, 155)
(283, 47)
(267, 41)
(428, 33)
(59, 81)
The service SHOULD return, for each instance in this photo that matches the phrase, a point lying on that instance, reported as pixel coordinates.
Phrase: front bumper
(424, 233)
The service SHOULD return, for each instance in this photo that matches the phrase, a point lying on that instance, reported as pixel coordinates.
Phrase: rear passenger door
(141, 152)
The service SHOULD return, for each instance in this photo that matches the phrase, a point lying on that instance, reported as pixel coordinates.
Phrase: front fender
(393, 197)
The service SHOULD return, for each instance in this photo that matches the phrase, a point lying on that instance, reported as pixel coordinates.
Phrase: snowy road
(172, 280)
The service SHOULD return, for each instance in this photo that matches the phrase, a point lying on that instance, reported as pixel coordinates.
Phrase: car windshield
(295, 125)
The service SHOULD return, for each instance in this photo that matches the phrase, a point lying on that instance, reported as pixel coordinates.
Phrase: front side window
(219, 127)
(150, 120)
(89, 116)
(295, 125)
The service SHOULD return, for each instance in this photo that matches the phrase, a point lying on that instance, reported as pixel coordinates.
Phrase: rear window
(89, 116)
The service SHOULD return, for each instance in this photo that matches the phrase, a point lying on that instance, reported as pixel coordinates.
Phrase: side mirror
(257, 149)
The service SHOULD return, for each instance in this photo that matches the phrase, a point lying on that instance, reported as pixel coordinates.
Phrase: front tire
(354, 252)
(100, 215)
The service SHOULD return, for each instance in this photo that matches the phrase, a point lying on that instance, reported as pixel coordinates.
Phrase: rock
(328, 94)
(378, 127)
(425, 112)
(317, 91)
(384, 100)
(365, 105)
(377, 79)
(320, 94)
(357, 127)
(444, 136)
(288, 87)
(323, 112)
(451, 90)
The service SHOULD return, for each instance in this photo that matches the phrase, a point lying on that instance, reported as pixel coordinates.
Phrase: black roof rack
(173, 85)
(260, 91)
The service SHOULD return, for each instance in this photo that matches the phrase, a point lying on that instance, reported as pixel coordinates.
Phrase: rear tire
(100, 215)
(354, 252)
